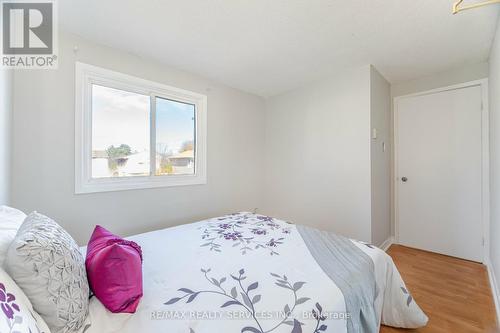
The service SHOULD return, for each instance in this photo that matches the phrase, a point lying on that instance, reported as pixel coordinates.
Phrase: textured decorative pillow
(17, 312)
(46, 263)
(114, 270)
(10, 221)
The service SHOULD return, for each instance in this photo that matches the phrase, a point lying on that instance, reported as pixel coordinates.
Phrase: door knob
(404, 179)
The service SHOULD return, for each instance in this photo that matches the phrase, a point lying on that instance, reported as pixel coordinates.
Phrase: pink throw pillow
(114, 271)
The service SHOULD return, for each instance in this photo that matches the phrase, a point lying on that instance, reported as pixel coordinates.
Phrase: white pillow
(10, 221)
(46, 263)
(16, 309)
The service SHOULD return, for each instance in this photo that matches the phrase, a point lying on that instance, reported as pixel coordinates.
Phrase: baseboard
(387, 243)
(494, 287)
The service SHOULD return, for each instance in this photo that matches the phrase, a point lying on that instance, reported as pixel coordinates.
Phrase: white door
(439, 172)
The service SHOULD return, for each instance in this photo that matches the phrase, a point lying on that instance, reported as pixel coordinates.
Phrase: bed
(252, 273)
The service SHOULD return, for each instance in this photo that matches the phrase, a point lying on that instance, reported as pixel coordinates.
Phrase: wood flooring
(454, 293)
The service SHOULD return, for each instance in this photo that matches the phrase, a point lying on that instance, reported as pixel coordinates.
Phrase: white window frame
(86, 76)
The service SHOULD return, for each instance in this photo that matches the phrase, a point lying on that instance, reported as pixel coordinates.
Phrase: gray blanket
(351, 270)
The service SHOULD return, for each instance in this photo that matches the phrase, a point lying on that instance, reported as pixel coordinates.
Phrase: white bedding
(213, 265)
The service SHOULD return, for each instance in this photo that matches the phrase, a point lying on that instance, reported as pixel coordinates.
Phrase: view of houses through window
(121, 135)
(175, 137)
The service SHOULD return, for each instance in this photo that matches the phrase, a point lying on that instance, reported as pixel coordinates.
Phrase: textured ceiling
(267, 47)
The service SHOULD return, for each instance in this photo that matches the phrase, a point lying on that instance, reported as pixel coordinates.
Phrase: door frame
(485, 170)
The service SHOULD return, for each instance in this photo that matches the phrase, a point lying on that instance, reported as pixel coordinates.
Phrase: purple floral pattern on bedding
(409, 298)
(12, 312)
(247, 231)
(247, 296)
(7, 302)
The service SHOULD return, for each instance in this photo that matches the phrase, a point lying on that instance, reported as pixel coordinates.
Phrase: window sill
(137, 183)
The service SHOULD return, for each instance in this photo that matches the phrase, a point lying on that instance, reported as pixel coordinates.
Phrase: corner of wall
(380, 159)
(494, 109)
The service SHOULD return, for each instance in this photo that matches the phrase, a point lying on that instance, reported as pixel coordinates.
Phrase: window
(133, 133)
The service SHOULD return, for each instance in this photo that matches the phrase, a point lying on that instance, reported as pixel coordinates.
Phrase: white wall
(317, 168)
(494, 84)
(5, 134)
(380, 114)
(43, 150)
(465, 73)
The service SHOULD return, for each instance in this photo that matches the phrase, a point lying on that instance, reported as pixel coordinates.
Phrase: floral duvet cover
(252, 273)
